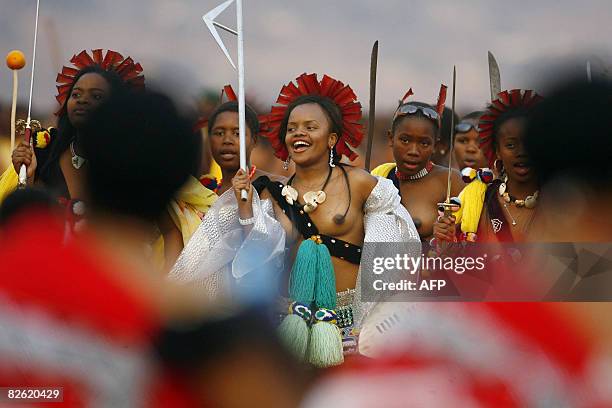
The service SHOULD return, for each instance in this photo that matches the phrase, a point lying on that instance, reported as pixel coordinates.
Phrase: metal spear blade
(372, 111)
(494, 77)
(588, 70)
(209, 20)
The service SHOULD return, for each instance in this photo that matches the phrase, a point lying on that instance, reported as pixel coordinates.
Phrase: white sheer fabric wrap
(219, 255)
(217, 252)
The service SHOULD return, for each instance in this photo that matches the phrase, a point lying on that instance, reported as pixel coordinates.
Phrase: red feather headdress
(505, 101)
(129, 71)
(308, 84)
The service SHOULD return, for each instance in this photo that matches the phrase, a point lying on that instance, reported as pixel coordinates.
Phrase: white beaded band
(248, 221)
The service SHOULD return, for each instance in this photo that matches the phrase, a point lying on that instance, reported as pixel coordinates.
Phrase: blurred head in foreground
(569, 138)
(28, 199)
(236, 361)
(141, 152)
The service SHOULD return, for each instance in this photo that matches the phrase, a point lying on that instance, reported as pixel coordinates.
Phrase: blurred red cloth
(485, 355)
(71, 295)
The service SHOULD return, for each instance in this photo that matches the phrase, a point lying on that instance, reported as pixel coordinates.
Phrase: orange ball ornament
(15, 60)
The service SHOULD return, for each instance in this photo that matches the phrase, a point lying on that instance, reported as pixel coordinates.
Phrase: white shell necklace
(77, 161)
(312, 199)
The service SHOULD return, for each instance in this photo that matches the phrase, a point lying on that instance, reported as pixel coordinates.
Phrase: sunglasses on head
(408, 109)
(464, 127)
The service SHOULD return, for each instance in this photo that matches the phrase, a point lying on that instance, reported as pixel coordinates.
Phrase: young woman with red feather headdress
(55, 160)
(415, 130)
(501, 210)
(318, 222)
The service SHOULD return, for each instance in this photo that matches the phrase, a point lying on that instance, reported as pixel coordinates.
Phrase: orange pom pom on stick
(15, 60)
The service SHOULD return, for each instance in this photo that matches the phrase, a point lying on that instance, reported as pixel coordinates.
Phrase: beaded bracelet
(248, 221)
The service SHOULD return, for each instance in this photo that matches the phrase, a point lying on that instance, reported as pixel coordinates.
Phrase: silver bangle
(248, 221)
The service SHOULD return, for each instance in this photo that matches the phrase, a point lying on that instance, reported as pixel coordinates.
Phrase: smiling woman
(315, 224)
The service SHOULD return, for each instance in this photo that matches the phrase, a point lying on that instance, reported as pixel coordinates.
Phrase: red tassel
(441, 100)
(407, 95)
(229, 92)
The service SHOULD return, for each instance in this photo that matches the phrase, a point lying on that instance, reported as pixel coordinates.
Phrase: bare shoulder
(441, 172)
(457, 183)
(361, 180)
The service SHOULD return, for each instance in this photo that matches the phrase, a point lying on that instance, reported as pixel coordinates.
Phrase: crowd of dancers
(134, 271)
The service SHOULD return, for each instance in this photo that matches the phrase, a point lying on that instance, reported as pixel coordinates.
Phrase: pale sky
(419, 43)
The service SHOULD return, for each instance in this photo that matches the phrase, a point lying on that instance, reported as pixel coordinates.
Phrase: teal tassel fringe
(313, 280)
(294, 332)
(325, 347)
(325, 286)
(303, 273)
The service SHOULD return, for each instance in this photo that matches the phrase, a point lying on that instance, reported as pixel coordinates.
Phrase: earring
(286, 163)
(499, 166)
(331, 158)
